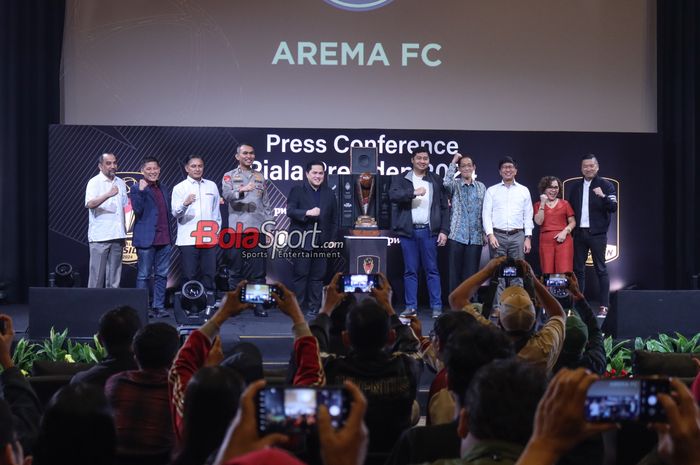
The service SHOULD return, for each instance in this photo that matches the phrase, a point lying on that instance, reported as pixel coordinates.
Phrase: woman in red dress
(555, 218)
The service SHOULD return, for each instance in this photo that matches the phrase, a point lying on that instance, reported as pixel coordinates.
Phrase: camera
(510, 269)
(257, 293)
(293, 410)
(626, 400)
(358, 282)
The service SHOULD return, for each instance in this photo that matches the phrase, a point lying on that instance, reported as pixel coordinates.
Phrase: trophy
(365, 191)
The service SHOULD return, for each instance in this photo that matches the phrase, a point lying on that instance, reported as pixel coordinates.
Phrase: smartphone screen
(626, 400)
(257, 293)
(358, 282)
(556, 280)
(509, 272)
(293, 410)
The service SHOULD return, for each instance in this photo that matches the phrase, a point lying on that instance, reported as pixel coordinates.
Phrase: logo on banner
(129, 256)
(368, 263)
(612, 251)
(358, 5)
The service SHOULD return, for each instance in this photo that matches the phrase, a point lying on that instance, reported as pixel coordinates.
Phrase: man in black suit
(593, 199)
(312, 207)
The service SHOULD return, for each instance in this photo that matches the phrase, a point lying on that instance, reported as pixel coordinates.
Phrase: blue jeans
(421, 248)
(154, 261)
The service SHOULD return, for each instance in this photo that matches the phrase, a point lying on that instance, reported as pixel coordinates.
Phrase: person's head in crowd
(517, 312)
(211, 402)
(246, 359)
(117, 327)
(155, 346)
(367, 328)
(468, 349)
(500, 403)
(77, 428)
(575, 342)
(11, 452)
(446, 324)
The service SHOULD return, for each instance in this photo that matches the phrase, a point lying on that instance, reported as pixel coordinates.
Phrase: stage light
(193, 298)
(63, 276)
(221, 279)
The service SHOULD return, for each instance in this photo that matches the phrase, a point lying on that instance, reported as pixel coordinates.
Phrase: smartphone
(626, 400)
(293, 410)
(556, 280)
(358, 282)
(257, 293)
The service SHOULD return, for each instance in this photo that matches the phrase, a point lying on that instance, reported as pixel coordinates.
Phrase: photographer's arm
(552, 307)
(459, 298)
(309, 370)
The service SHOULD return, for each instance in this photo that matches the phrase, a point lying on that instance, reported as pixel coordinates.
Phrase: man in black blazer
(312, 206)
(594, 200)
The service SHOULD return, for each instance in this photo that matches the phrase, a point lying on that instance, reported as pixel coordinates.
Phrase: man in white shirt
(105, 199)
(196, 199)
(507, 214)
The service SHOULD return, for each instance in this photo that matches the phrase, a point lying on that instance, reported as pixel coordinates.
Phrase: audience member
(116, 330)
(139, 398)
(441, 404)
(77, 428)
(495, 420)
(11, 451)
(388, 378)
(583, 344)
(466, 350)
(24, 405)
(517, 314)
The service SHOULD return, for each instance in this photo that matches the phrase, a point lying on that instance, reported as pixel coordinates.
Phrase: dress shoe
(260, 312)
(437, 312)
(409, 312)
(158, 313)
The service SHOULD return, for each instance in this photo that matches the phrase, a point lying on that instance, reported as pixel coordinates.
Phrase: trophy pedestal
(366, 254)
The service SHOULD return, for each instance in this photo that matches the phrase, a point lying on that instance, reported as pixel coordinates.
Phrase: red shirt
(555, 219)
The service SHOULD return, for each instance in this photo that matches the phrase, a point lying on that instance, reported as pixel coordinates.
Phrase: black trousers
(199, 264)
(249, 264)
(596, 243)
(307, 282)
(463, 261)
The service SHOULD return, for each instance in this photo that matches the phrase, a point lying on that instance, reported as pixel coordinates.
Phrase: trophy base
(365, 226)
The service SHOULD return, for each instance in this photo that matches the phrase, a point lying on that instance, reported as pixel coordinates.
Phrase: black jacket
(401, 195)
(300, 200)
(389, 380)
(599, 208)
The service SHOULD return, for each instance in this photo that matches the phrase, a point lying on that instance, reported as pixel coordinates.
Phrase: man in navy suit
(152, 233)
(312, 206)
(594, 200)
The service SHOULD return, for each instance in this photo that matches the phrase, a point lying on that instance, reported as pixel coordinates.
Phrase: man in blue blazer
(594, 200)
(151, 233)
(312, 205)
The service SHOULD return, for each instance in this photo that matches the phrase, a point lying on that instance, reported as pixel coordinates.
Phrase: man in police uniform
(245, 193)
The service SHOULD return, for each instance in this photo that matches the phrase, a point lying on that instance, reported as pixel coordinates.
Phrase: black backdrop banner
(631, 160)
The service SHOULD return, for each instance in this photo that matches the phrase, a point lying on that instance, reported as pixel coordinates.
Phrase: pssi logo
(358, 5)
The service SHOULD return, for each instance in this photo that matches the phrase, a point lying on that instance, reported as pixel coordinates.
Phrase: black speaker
(78, 309)
(363, 160)
(647, 313)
